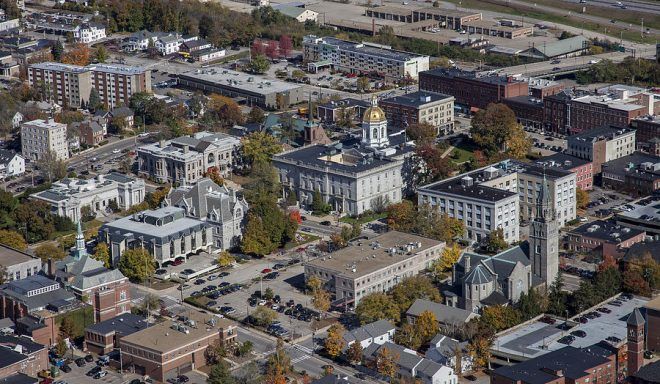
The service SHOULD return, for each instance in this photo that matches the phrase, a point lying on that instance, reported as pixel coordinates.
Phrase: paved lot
(77, 376)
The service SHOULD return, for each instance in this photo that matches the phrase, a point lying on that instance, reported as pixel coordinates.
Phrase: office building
(71, 84)
(637, 174)
(472, 89)
(186, 159)
(601, 145)
(583, 169)
(603, 238)
(39, 137)
(507, 29)
(174, 347)
(18, 265)
(420, 107)
(68, 196)
(166, 233)
(374, 265)
(21, 358)
(104, 336)
(250, 89)
(362, 58)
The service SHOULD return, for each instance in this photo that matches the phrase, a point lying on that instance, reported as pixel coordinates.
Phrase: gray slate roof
(635, 318)
(650, 373)
(443, 313)
(367, 331)
(6, 156)
(124, 325)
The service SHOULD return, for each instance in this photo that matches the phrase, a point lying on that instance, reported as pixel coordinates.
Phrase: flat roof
(600, 133)
(161, 337)
(535, 339)
(620, 104)
(391, 9)
(371, 49)
(128, 224)
(10, 256)
(418, 99)
(495, 25)
(489, 78)
(240, 81)
(118, 69)
(367, 256)
(124, 325)
(52, 66)
(48, 124)
(608, 231)
(446, 12)
(562, 160)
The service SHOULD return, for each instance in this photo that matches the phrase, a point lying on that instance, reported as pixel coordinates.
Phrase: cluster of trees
(630, 70)
(425, 221)
(496, 131)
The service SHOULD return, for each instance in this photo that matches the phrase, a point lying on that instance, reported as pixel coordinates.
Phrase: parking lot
(78, 375)
(604, 202)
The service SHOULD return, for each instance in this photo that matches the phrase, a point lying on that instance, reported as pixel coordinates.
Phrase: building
(33, 303)
(618, 110)
(103, 337)
(648, 374)
(345, 109)
(187, 159)
(647, 131)
(528, 110)
(166, 233)
(653, 322)
(18, 265)
(448, 317)
(71, 84)
(603, 238)
(601, 145)
(174, 347)
(556, 112)
(250, 89)
(409, 365)
(20, 355)
(360, 269)
(434, 17)
(302, 15)
(507, 29)
(91, 131)
(637, 173)
(499, 195)
(124, 114)
(583, 169)
(643, 216)
(560, 49)
(8, 65)
(40, 137)
(106, 290)
(168, 44)
(635, 341)
(568, 365)
(67, 197)
(420, 107)
(472, 89)
(217, 205)
(366, 58)
(379, 332)
(541, 88)
(11, 164)
(445, 350)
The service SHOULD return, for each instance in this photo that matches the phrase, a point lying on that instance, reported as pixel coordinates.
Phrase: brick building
(568, 365)
(471, 89)
(556, 112)
(417, 107)
(637, 173)
(528, 110)
(583, 169)
(171, 348)
(541, 88)
(653, 325)
(101, 338)
(647, 130)
(20, 355)
(604, 238)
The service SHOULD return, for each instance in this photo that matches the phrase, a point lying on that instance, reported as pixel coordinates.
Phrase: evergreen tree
(57, 50)
(94, 102)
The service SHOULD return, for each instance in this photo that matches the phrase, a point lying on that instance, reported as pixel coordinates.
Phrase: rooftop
(562, 161)
(189, 147)
(10, 256)
(417, 99)
(641, 164)
(443, 313)
(650, 373)
(124, 325)
(560, 47)
(48, 124)
(489, 78)
(163, 337)
(159, 223)
(613, 103)
(70, 187)
(52, 66)
(606, 231)
(602, 133)
(644, 211)
(367, 331)
(241, 81)
(446, 12)
(371, 49)
(367, 256)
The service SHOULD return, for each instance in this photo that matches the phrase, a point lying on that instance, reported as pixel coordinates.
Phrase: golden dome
(374, 114)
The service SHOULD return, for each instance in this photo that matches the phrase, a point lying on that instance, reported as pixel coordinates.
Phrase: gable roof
(650, 373)
(443, 313)
(367, 331)
(560, 47)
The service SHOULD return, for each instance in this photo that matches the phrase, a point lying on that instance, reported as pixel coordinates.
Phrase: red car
(266, 270)
(177, 262)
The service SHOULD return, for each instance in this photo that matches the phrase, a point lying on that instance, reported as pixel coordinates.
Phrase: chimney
(162, 143)
(467, 263)
(185, 149)
(50, 267)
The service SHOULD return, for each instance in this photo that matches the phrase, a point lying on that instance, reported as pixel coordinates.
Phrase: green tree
(557, 298)
(101, 54)
(256, 115)
(57, 50)
(269, 293)
(260, 147)
(67, 327)
(12, 239)
(334, 342)
(412, 288)
(495, 242)
(376, 306)
(319, 206)
(259, 64)
(102, 253)
(94, 103)
(220, 374)
(136, 264)
(48, 251)
(495, 128)
(51, 167)
(3, 274)
(60, 347)
(263, 316)
(244, 348)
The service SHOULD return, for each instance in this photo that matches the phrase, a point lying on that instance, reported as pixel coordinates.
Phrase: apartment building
(374, 265)
(186, 159)
(583, 169)
(366, 58)
(71, 85)
(603, 144)
(38, 137)
(174, 347)
(499, 196)
(418, 107)
(472, 89)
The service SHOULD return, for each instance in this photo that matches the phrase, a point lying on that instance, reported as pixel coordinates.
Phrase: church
(480, 280)
(357, 174)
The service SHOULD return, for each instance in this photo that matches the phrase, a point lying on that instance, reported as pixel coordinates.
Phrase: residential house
(410, 365)
(379, 332)
(11, 163)
(445, 350)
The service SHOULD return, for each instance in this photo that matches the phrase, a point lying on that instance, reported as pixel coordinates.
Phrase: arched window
(374, 133)
(382, 132)
(211, 158)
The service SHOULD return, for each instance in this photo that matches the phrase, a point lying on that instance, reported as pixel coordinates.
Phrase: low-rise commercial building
(69, 196)
(643, 216)
(583, 169)
(508, 29)
(366, 58)
(18, 265)
(442, 17)
(653, 324)
(573, 46)
(187, 159)
(362, 268)
(600, 145)
(250, 89)
(173, 347)
(420, 107)
(103, 337)
(528, 110)
(40, 137)
(637, 174)
(603, 238)
(166, 233)
(647, 132)
(21, 357)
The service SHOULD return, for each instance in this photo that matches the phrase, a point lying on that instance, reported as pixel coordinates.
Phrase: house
(444, 314)
(139, 41)
(195, 45)
(91, 132)
(168, 45)
(11, 163)
(122, 113)
(410, 365)
(443, 350)
(300, 14)
(16, 120)
(379, 332)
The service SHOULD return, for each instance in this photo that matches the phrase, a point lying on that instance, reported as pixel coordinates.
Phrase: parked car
(100, 374)
(325, 222)
(579, 333)
(65, 368)
(89, 358)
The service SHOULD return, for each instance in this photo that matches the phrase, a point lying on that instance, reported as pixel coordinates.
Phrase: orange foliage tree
(79, 54)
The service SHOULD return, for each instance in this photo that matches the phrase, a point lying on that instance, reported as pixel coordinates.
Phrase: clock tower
(635, 336)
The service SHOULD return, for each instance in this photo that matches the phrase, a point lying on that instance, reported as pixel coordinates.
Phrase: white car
(261, 302)
(116, 151)
(594, 61)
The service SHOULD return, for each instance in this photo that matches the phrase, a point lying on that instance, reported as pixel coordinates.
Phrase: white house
(16, 120)
(379, 332)
(442, 350)
(168, 45)
(89, 33)
(11, 163)
(300, 14)
(411, 365)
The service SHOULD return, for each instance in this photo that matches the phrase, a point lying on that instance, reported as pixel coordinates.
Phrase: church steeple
(80, 250)
(543, 202)
(544, 237)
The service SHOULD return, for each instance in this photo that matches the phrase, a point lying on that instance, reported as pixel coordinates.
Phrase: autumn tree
(334, 342)
(376, 306)
(499, 317)
(436, 167)
(495, 242)
(422, 133)
(448, 258)
(363, 84)
(412, 288)
(426, 326)
(278, 365)
(260, 147)
(386, 363)
(102, 253)
(12, 239)
(285, 45)
(60, 347)
(354, 352)
(259, 64)
(272, 50)
(225, 110)
(407, 336)
(320, 297)
(479, 349)
(67, 327)
(496, 130)
(581, 198)
(47, 251)
(518, 143)
(78, 54)
(136, 264)
(256, 115)
(225, 259)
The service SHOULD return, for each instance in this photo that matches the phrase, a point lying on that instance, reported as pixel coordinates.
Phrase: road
(631, 5)
(573, 63)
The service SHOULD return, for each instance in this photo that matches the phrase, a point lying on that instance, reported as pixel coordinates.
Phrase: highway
(632, 5)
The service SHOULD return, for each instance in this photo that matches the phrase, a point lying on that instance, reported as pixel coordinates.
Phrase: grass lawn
(306, 238)
(82, 317)
(363, 218)
(461, 155)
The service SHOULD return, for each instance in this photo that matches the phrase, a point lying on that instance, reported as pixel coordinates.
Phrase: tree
(225, 259)
(57, 50)
(495, 128)
(363, 84)
(51, 167)
(269, 293)
(101, 54)
(499, 317)
(334, 342)
(264, 316)
(285, 45)
(376, 306)
(449, 257)
(260, 147)
(255, 237)
(557, 297)
(422, 133)
(225, 110)
(479, 349)
(86, 213)
(321, 300)
(386, 363)
(436, 166)
(298, 75)
(79, 54)
(48, 251)
(581, 198)
(259, 64)
(220, 374)
(495, 242)
(278, 365)
(272, 50)
(244, 348)
(248, 374)
(94, 102)
(518, 143)
(60, 347)
(12, 239)
(256, 115)
(67, 327)
(426, 326)
(319, 205)
(407, 336)
(354, 352)
(136, 264)
(412, 288)
(102, 253)
(531, 304)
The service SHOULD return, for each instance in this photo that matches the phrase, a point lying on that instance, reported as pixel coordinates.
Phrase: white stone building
(38, 137)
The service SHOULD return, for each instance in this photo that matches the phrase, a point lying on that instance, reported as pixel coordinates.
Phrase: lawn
(306, 238)
(362, 219)
(82, 317)
(463, 152)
